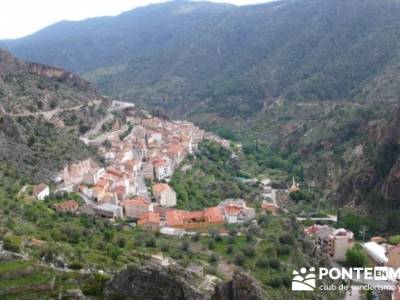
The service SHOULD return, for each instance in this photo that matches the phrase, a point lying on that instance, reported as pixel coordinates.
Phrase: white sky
(22, 17)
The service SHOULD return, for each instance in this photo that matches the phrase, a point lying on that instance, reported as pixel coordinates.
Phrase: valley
(201, 150)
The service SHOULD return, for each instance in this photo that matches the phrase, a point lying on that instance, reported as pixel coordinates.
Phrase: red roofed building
(164, 194)
(150, 220)
(194, 219)
(134, 208)
(214, 215)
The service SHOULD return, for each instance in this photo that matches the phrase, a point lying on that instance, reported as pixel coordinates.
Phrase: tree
(275, 263)
(12, 242)
(394, 239)
(355, 256)
(239, 259)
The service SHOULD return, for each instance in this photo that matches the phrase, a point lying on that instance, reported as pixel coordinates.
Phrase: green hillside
(319, 78)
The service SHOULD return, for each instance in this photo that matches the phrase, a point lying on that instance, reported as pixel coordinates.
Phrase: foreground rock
(155, 282)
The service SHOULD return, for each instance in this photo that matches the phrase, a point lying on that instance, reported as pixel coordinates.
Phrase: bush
(196, 237)
(262, 263)
(164, 247)
(249, 251)
(217, 238)
(185, 246)
(355, 256)
(394, 239)
(233, 232)
(231, 239)
(275, 282)
(239, 259)
(229, 249)
(275, 264)
(151, 242)
(283, 250)
(12, 242)
(213, 259)
(121, 243)
(211, 245)
(76, 265)
(286, 238)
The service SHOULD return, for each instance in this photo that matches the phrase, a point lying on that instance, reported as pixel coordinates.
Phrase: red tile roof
(159, 187)
(136, 202)
(214, 215)
(149, 217)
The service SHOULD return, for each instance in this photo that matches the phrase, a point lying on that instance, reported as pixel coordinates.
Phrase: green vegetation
(394, 239)
(210, 179)
(356, 257)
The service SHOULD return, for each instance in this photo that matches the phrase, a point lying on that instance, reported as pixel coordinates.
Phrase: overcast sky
(22, 17)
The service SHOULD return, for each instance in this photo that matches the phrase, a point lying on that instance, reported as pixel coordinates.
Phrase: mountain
(319, 78)
(42, 112)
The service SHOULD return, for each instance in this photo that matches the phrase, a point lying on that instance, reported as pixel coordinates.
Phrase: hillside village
(139, 160)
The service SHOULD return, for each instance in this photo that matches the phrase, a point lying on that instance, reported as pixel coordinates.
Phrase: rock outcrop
(155, 282)
(152, 281)
(241, 287)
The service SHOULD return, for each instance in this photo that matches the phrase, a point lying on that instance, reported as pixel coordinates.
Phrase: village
(133, 182)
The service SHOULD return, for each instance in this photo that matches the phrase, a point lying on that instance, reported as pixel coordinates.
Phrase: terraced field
(22, 279)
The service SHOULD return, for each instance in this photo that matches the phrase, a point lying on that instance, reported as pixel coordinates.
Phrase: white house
(164, 194)
(41, 191)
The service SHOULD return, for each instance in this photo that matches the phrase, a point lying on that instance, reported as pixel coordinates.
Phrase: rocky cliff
(155, 282)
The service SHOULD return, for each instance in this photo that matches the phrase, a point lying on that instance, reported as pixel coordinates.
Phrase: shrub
(283, 250)
(12, 242)
(249, 251)
(355, 256)
(213, 259)
(121, 243)
(229, 249)
(275, 282)
(151, 242)
(394, 239)
(76, 265)
(262, 263)
(233, 232)
(185, 246)
(275, 264)
(217, 238)
(164, 247)
(286, 238)
(211, 245)
(239, 259)
(196, 237)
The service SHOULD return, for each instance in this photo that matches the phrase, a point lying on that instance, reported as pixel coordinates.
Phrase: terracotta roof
(102, 183)
(149, 217)
(174, 217)
(114, 172)
(175, 149)
(193, 214)
(136, 202)
(159, 187)
(214, 215)
(232, 210)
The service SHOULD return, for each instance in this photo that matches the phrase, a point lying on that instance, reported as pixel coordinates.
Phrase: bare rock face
(153, 282)
(241, 287)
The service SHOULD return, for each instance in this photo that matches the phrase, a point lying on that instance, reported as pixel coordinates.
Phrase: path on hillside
(48, 114)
